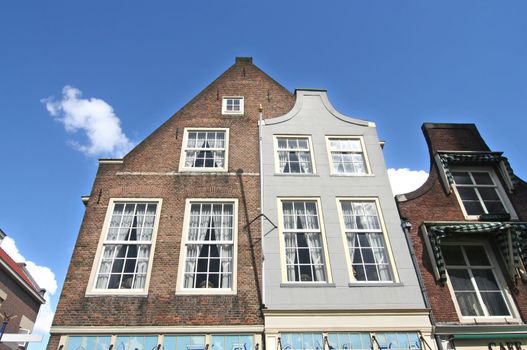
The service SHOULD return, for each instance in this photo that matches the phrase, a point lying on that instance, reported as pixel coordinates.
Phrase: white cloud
(404, 180)
(94, 117)
(44, 277)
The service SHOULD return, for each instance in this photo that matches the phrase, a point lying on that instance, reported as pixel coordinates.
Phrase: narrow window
(366, 245)
(472, 277)
(294, 155)
(205, 150)
(347, 156)
(209, 246)
(304, 251)
(126, 247)
(478, 192)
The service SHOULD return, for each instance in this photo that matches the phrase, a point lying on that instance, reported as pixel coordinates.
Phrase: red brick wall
(431, 203)
(160, 152)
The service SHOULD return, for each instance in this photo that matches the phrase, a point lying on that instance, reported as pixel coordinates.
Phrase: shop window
(136, 342)
(88, 343)
(301, 341)
(232, 342)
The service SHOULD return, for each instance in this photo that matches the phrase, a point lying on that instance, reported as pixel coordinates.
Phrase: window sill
(201, 291)
(352, 175)
(295, 174)
(227, 114)
(203, 170)
(108, 293)
(375, 284)
(488, 319)
(307, 285)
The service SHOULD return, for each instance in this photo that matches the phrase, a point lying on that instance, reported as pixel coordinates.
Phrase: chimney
(244, 60)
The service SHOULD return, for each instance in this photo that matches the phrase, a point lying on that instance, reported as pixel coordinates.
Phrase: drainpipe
(260, 144)
(407, 226)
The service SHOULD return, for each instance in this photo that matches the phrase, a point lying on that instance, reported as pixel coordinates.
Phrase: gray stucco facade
(315, 117)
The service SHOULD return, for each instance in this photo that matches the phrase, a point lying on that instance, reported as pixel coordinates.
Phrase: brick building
(166, 254)
(20, 298)
(469, 234)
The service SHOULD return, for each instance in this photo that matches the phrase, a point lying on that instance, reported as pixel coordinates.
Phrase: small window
(479, 192)
(126, 249)
(304, 248)
(232, 105)
(472, 277)
(204, 150)
(346, 156)
(366, 243)
(209, 248)
(294, 155)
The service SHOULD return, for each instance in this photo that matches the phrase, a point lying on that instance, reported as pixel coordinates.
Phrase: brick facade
(150, 170)
(431, 203)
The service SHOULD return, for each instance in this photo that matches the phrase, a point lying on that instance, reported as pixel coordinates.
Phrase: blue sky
(398, 63)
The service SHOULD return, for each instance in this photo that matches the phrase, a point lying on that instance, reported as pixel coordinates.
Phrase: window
(136, 342)
(301, 341)
(398, 340)
(479, 193)
(347, 341)
(294, 155)
(209, 246)
(365, 240)
(473, 280)
(128, 238)
(304, 250)
(232, 105)
(184, 342)
(232, 342)
(346, 156)
(204, 150)
(89, 343)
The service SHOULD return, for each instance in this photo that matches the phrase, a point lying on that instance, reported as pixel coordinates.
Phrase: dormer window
(479, 192)
(232, 105)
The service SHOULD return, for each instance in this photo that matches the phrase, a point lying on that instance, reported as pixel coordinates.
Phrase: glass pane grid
(205, 149)
(478, 193)
(475, 286)
(294, 155)
(209, 255)
(124, 266)
(347, 157)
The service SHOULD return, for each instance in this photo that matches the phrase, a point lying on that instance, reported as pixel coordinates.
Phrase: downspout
(260, 144)
(407, 226)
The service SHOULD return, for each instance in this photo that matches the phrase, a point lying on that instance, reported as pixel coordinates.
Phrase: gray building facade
(337, 267)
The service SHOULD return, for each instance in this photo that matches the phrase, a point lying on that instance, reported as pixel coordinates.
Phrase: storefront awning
(510, 237)
(445, 160)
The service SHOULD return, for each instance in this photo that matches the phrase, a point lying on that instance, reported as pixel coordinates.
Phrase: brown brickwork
(160, 153)
(431, 203)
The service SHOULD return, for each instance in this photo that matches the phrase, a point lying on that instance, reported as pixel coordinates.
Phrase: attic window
(232, 105)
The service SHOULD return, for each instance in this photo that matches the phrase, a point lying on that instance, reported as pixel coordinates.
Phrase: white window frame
(180, 289)
(501, 192)
(91, 290)
(183, 155)
(277, 159)
(500, 280)
(388, 247)
(364, 154)
(224, 109)
(283, 265)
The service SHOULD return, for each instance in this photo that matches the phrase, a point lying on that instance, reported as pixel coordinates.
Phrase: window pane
(453, 255)
(485, 279)
(462, 178)
(469, 304)
(477, 255)
(473, 208)
(460, 280)
(488, 193)
(467, 193)
(482, 178)
(495, 207)
(495, 303)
